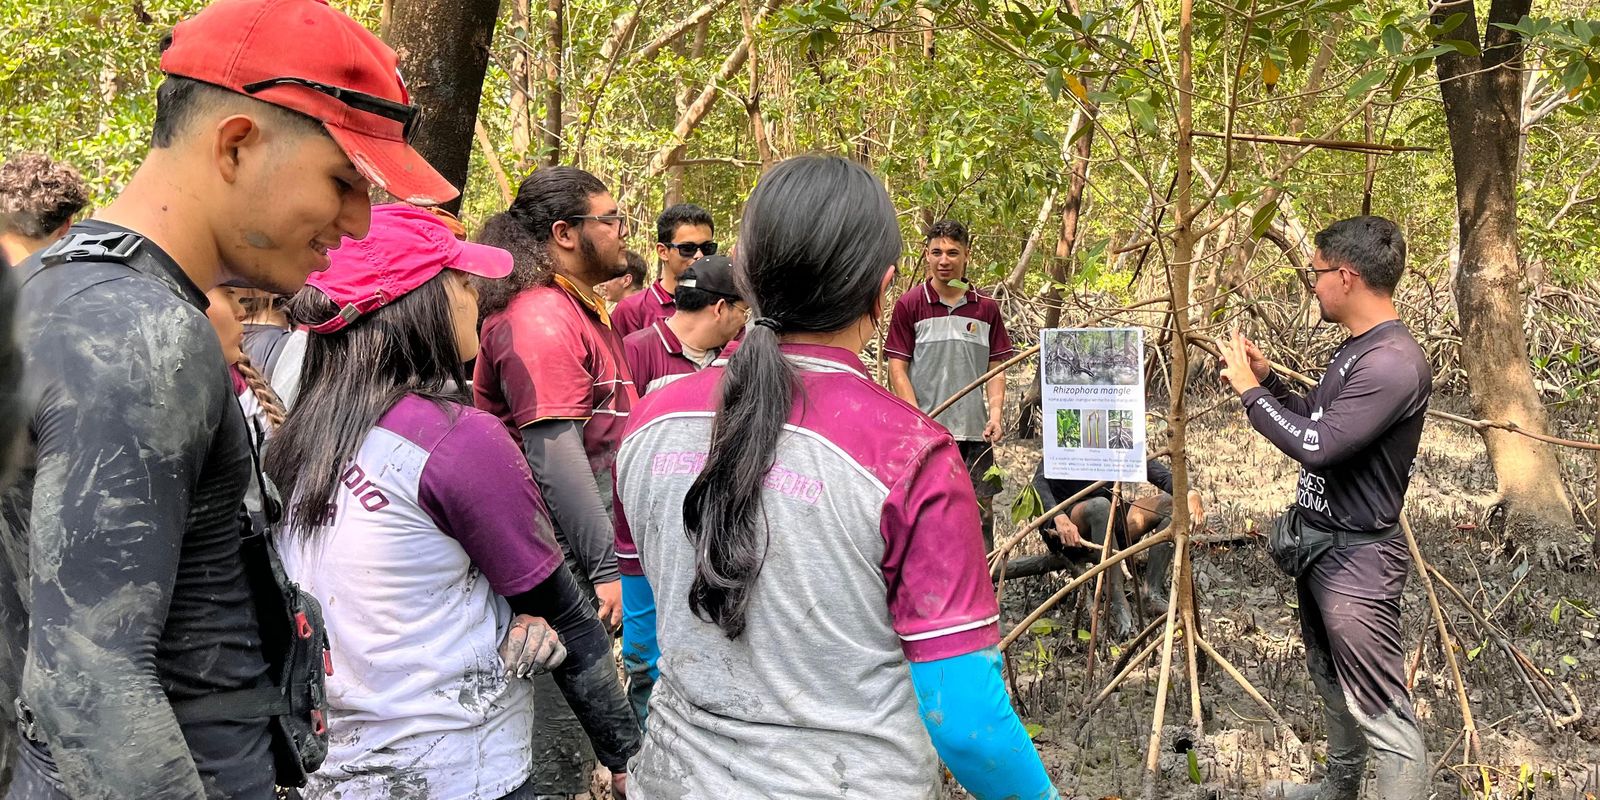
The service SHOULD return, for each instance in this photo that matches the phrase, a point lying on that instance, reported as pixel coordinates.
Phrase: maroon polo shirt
(549, 355)
(656, 358)
(637, 311)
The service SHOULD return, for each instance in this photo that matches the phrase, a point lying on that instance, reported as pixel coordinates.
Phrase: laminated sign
(1093, 391)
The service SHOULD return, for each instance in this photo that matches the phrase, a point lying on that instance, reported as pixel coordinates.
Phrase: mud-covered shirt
(1355, 435)
(436, 520)
(873, 557)
(656, 357)
(131, 502)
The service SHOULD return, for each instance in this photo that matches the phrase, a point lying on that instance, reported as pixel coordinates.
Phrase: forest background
(1123, 162)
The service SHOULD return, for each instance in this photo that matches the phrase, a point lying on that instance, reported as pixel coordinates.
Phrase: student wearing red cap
(708, 314)
(826, 623)
(552, 369)
(146, 672)
(400, 490)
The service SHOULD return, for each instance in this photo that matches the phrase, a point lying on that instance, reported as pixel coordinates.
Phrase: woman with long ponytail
(803, 563)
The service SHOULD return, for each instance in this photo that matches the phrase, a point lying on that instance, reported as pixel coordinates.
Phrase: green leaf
(1462, 46)
(1571, 661)
(1473, 653)
(1044, 627)
(1033, 729)
(1555, 613)
(1027, 506)
(1393, 40)
(1400, 81)
(1452, 22)
(1194, 768)
(1261, 221)
(1299, 48)
(1365, 83)
(1084, 635)
(1574, 75)
(1143, 113)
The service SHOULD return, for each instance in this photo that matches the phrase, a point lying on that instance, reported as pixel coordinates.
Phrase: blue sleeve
(968, 715)
(639, 648)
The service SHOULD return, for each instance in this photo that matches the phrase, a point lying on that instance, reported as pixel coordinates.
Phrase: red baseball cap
(306, 56)
(406, 247)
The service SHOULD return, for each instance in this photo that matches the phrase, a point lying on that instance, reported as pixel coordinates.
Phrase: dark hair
(351, 378)
(39, 195)
(637, 268)
(818, 235)
(949, 229)
(1372, 246)
(690, 298)
(677, 216)
(545, 197)
(179, 101)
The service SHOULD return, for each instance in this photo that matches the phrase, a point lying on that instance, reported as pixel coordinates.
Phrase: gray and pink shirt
(874, 558)
(436, 521)
(949, 347)
(656, 357)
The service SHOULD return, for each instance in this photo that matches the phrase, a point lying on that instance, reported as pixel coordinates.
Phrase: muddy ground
(1248, 614)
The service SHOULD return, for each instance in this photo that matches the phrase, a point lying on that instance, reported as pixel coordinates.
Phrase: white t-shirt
(436, 520)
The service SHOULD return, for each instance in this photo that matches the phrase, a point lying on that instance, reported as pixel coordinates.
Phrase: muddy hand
(1068, 531)
(610, 596)
(531, 647)
(619, 785)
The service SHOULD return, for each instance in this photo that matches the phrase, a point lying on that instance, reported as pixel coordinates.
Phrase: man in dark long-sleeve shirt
(1355, 435)
(127, 515)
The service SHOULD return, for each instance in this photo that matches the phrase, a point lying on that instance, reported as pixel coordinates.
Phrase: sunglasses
(688, 249)
(408, 116)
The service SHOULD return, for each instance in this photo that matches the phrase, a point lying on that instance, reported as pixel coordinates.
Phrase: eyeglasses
(410, 117)
(1310, 275)
(688, 249)
(621, 220)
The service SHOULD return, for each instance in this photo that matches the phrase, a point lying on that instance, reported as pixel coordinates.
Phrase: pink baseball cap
(405, 248)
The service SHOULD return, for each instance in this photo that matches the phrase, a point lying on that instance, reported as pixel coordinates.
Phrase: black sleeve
(1379, 390)
(1158, 475)
(555, 453)
(122, 427)
(588, 678)
(1285, 394)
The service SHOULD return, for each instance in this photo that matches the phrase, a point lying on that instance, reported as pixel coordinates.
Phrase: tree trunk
(444, 51)
(1071, 213)
(521, 82)
(1483, 104)
(555, 48)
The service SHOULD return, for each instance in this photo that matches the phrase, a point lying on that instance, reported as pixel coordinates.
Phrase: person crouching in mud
(1078, 531)
(415, 522)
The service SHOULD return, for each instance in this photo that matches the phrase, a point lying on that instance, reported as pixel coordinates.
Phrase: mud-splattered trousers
(1356, 659)
(132, 501)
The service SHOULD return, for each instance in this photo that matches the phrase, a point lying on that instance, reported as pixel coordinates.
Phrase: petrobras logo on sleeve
(1311, 440)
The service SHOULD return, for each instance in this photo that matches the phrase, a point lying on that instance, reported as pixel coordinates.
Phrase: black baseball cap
(713, 274)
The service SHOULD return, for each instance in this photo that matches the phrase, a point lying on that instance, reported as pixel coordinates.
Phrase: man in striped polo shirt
(709, 315)
(944, 335)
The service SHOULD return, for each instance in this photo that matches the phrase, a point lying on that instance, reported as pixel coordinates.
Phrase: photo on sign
(1120, 434)
(1094, 428)
(1069, 427)
(1092, 358)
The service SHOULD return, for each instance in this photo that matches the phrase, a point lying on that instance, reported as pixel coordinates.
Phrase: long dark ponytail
(817, 237)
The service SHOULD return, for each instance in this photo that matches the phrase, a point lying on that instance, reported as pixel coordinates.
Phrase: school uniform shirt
(551, 354)
(639, 310)
(949, 347)
(656, 357)
(436, 520)
(873, 557)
